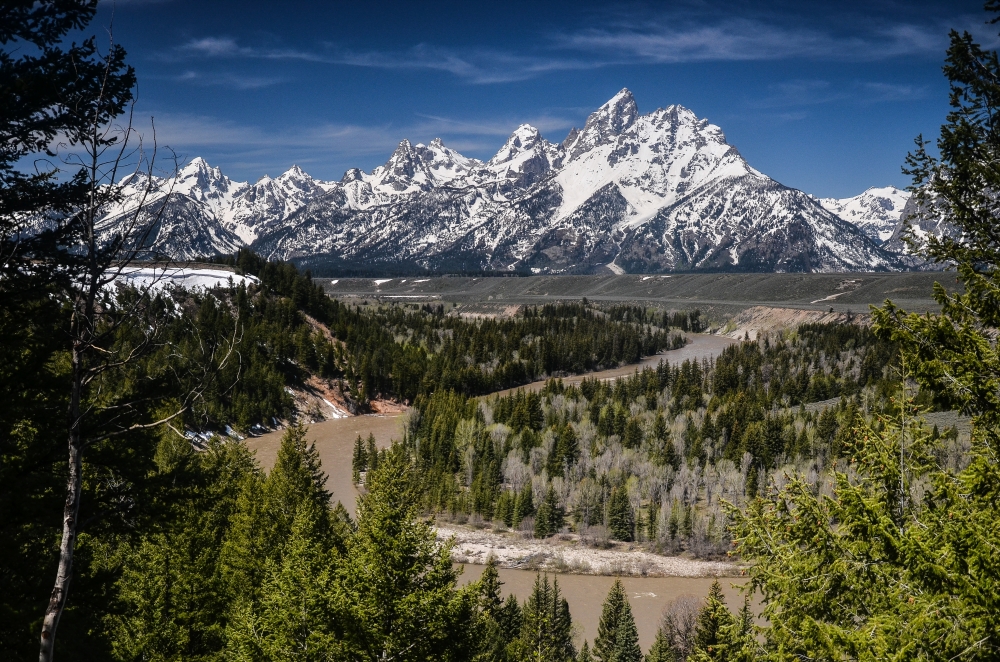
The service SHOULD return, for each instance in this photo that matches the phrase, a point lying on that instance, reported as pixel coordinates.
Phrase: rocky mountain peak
(524, 138)
(352, 175)
(605, 124)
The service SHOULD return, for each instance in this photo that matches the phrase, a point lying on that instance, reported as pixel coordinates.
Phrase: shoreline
(563, 553)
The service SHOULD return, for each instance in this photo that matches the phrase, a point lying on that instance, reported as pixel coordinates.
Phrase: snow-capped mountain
(628, 192)
(877, 211)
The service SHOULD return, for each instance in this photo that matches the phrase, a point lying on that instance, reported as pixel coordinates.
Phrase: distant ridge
(635, 193)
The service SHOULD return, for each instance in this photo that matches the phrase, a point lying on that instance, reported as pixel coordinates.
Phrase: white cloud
(228, 79)
(745, 39)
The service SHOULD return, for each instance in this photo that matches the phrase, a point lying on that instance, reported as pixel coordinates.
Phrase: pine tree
(359, 460)
(615, 605)
(396, 586)
(296, 616)
(543, 517)
(371, 452)
(866, 573)
(584, 655)
(627, 638)
(546, 627)
(621, 520)
(617, 638)
(662, 649)
(525, 505)
(712, 620)
(494, 635)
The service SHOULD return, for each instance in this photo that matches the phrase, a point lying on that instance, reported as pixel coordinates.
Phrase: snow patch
(156, 279)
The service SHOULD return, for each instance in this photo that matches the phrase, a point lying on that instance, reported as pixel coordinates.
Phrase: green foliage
(296, 616)
(499, 622)
(621, 520)
(53, 93)
(546, 627)
(396, 586)
(549, 518)
(617, 638)
(900, 562)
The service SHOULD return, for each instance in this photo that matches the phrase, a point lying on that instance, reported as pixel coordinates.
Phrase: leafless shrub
(678, 623)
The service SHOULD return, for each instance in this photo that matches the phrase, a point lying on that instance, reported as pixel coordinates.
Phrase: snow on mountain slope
(656, 192)
(876, 211)
(264, 205)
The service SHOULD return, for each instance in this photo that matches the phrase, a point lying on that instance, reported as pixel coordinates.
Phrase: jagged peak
(617, 113)
(524, 138)
(605, 124)
(295, 174)
(570, 137)
(352, 175)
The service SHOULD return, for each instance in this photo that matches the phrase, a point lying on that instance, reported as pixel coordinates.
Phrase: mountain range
(626, 193)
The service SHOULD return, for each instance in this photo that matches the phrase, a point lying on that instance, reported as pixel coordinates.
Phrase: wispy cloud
(665, 39)
(745, 39)
(882, 92)
(228, 79)
(227, 47)
(476, 66)
(799, 93)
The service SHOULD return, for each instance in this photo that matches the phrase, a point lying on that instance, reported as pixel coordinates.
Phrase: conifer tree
(713, 619)
(543, 518)
(617, 638)
(546, 628)
(615, 606)
(296, 615)
(870, 572)
(371, 453)
(621, 520)
(525, 505)
(549, 519)
(584, 654)
(397, 587)
(494, 628)
(627, 638)
(662, 649)
(359, 460)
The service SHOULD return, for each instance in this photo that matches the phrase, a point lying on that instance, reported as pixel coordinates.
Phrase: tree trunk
(71, 511)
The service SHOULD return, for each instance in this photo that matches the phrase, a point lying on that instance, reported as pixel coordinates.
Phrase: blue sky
(826, 97)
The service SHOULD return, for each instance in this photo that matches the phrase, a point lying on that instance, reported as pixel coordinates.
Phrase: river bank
(565, 553)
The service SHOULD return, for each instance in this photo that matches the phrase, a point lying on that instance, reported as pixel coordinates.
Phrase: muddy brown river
(585, 594)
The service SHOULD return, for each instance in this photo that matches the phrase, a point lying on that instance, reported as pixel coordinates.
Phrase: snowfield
(156, 279)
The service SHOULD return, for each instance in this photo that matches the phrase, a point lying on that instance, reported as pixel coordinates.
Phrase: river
(585, 594)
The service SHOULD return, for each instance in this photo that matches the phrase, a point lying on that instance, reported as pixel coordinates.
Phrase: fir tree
(867, 573)
(296, 615)
(525, 505)
(713, 619)
(543, 517)
(662, 649)
(615, 606)
(546, 628)
(397, 587)
(621, 520)
(359, 460)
